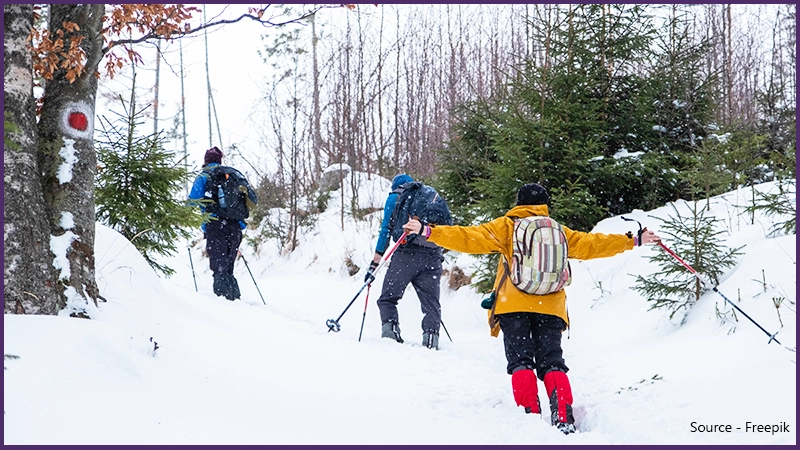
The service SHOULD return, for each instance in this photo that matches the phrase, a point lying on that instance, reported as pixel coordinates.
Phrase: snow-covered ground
(163, 364)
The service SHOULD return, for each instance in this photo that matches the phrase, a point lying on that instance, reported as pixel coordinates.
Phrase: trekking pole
(333, 325)
(709, 285)
(445, 330)
(366, 301)
(192, 265)
(251, 276)
(714, 288)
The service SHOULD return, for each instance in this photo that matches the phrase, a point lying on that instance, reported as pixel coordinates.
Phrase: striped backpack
(539, 262)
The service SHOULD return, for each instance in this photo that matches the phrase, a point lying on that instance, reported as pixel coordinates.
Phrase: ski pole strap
(638, 240)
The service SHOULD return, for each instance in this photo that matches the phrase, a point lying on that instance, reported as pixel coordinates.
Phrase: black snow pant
(533, 341)
(222, 243)
(422, 267)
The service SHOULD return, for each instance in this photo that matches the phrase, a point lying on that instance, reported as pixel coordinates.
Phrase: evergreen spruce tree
(680, 102)
(138, 186)
(706, 175)
(574, 203)
(781, 206)
(576, 100)
(575, 105)
(466, 160)
(696, 240)
(745, 159)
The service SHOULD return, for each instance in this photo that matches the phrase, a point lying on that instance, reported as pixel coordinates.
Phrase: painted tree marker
(77, 120)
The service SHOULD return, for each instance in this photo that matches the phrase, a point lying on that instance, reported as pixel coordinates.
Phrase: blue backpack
(419, 201)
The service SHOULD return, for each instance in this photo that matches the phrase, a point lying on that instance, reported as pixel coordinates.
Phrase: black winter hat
(213, 155)
(533, 194)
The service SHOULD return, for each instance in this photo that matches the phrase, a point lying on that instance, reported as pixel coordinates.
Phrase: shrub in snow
(138, 186)
(781, 205)
(696, 240)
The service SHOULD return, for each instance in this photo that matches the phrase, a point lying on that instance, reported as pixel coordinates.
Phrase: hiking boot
(430, 339)
(559, 393)
(566, 428)
(391, 329)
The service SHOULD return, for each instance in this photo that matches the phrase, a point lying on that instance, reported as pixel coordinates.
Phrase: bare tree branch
(265, 22)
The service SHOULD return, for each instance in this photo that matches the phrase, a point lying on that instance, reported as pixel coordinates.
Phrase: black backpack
(421, 201)
(228, 201)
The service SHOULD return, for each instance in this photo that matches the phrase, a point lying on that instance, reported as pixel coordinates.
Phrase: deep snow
(248, 373)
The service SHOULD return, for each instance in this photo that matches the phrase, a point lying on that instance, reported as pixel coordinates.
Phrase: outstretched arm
(600, 245)
(490, 237)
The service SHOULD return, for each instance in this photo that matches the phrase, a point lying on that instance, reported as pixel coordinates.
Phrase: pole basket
(333, 325)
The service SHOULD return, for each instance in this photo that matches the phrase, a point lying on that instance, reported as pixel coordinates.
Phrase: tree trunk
(184, 136)
(316, 136)
(155, 88)
(208, 83)
(29, 277)
(68, 161)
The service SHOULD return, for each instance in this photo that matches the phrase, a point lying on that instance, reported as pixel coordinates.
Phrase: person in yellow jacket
(532, 325)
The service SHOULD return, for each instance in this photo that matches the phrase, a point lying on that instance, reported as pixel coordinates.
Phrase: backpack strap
(398, 206)
(393, 217)
(210, 171)
(493, 320)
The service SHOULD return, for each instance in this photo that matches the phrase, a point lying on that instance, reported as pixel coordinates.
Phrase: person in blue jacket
(223, 236)
(418, 262)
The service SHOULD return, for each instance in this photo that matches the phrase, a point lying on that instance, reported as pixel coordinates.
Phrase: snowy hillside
(163, 364)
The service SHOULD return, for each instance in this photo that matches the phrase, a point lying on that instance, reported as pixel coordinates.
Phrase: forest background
(612, 107)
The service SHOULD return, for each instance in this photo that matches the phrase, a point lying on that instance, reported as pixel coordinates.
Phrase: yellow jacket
(496, 237)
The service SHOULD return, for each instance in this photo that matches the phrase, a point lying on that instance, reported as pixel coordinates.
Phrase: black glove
(370, 276)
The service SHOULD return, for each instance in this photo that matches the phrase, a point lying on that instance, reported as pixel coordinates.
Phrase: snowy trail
(249, 373)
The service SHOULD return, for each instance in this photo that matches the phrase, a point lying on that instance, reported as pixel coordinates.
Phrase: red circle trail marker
(78, 121)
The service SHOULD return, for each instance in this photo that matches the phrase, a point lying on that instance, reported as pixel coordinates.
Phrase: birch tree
(50, 168)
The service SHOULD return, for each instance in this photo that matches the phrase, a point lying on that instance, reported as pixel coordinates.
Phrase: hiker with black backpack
(225, 194)
(528, 303)
(416, 261)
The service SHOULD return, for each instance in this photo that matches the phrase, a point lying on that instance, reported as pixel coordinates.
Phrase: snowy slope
(250, 373)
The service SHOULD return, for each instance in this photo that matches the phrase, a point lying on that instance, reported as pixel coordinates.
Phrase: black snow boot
(430, 339)
(391, 329)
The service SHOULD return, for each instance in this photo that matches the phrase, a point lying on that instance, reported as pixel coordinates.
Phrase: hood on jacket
(400, 180)
(527, 211)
